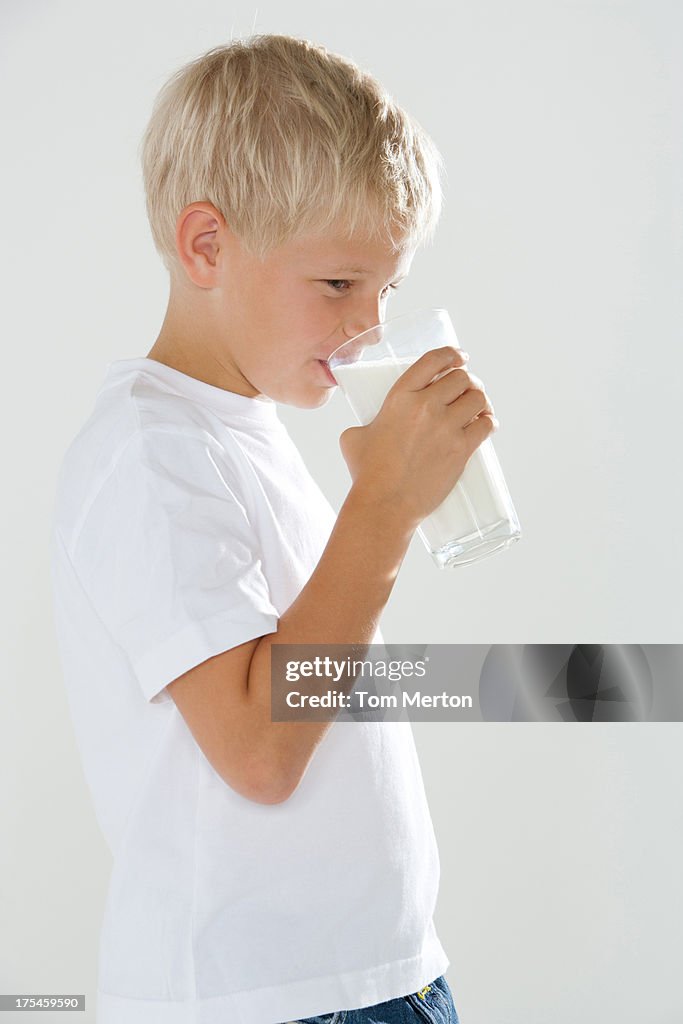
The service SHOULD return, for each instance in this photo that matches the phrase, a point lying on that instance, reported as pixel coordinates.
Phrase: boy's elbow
(266, 786)
(273, 794)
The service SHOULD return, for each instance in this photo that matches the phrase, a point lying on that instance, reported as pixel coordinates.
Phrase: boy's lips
(328, 373)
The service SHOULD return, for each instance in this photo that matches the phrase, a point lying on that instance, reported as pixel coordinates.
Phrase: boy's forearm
(340, 604)
(351, 584)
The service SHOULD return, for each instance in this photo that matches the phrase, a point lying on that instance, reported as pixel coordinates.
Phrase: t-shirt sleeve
(170, 560)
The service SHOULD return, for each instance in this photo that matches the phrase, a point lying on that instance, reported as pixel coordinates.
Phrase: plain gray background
(559, 258)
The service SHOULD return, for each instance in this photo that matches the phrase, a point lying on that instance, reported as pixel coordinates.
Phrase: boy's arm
(341, 603)
(226, 700)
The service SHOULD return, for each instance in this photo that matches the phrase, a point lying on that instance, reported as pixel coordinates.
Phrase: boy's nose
(363, 321)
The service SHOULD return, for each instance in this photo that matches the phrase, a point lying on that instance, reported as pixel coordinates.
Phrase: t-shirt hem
(288, 1002)
(195, 644)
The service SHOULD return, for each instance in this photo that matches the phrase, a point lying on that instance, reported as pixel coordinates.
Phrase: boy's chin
(303, 393)
(310, 398)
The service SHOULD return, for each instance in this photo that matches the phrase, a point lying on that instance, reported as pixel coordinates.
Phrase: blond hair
(284, 137)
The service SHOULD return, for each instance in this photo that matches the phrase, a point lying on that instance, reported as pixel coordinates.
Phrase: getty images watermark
(477, 682)
(362, 684)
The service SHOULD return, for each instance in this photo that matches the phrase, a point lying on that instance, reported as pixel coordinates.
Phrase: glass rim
(383, 323)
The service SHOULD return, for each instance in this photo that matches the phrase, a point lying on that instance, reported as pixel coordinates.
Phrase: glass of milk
(477, 517)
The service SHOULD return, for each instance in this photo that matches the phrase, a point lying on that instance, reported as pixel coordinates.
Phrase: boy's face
(269, 324)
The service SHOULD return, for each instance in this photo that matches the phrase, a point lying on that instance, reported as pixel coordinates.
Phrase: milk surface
(480, 499)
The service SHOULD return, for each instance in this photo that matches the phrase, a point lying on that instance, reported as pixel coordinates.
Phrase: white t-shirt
(185, 524)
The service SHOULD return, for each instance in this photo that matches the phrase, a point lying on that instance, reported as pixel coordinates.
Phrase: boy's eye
(333, 282)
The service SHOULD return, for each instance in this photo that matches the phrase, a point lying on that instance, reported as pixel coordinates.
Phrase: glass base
(478, 545)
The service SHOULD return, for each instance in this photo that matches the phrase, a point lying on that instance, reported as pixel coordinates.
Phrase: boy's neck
(200, 365)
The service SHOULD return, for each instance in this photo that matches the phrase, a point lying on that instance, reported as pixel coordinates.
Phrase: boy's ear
(198, 228)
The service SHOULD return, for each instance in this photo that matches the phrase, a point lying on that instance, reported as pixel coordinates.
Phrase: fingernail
(465, 355)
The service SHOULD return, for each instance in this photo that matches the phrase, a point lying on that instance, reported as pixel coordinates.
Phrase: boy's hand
(412, 454)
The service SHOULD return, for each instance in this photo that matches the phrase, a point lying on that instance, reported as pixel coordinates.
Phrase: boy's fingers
(480, 428)
(451, 385)
(431, 363)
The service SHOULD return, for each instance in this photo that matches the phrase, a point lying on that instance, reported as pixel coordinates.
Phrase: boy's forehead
(338, 255)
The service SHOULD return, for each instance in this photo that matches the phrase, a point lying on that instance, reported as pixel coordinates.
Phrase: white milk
(478, 507)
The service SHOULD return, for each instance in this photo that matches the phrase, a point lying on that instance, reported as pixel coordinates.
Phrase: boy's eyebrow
(349, 270)
(357, 270)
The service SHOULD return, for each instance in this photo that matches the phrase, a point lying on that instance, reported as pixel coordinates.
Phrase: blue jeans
(433, 1004)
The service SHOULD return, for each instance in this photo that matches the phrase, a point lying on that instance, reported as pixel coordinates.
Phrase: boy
(263, 872)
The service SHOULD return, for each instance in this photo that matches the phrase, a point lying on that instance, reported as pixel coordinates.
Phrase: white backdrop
(559, 257)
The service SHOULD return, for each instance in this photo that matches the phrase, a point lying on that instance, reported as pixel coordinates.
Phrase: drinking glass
(477, 518)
